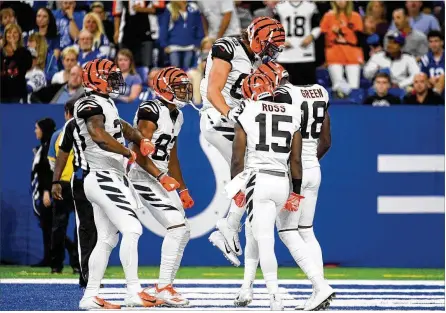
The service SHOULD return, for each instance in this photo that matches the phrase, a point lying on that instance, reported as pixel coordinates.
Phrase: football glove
(146, 147)
(168, 182)
(239, 199)
(234, 113)
(186, 199)
(131, 156)
(293, 202)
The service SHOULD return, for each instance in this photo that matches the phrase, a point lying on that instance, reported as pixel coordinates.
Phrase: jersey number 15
(275, 133)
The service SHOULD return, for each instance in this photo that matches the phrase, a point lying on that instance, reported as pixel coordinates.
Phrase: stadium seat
(356, 96)
(322, 77)
(397, 92)
(143, 71)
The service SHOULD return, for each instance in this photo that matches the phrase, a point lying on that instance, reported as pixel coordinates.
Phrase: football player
(229, 62)
(263, 176)
(287, 227)
(160, 121)
(106, 184)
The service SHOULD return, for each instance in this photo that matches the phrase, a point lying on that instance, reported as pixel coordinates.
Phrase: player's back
(97, 158)
(232, 50)
(270, 128)
(313, 102)
(168, 125)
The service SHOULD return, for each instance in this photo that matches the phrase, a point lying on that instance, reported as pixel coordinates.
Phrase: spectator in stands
(47, 60)
(68, 23)
(416, 41)
(181, 32)
(16, 60)
(46, 26)
(377, 10)
(243, 14)
(41, 177)
(219, 18)
(420, 21)
(149, 93)
(433, 63)
(374, 44)
(7, 16)
(132, 80)
(422, 94)
(93, 24)
(269, 9)
(61, 93)
(136, 33)
(382, 97)
(86, 51)
(343, 33)
(69, 59)
(401, 66)
(369, 30)
(35, 77)
(98, 8)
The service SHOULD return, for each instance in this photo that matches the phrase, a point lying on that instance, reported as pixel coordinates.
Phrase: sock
(169, 254)
(234, 216)
(183, 244)
(128, 253)
(97, 264)
(302, 256)
(268, 263)
(251, 258)
(313, 246)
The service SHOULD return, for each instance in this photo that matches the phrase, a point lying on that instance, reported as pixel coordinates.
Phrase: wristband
(185, 189)
(159, 176)
(56, 182)
(297, 183)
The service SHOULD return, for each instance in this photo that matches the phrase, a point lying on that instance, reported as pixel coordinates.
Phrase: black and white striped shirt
(70, 139)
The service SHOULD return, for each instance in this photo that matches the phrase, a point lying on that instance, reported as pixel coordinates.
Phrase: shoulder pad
(223, 48)
(87, 107)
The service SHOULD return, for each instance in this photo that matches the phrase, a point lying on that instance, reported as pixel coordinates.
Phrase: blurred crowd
(376, 52)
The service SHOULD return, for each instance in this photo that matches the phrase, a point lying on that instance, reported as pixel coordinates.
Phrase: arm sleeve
(223, 49)
(148, 111)
(434, 23)
(52, 148)
(163, 21)
(371, 67)
(66, 144)
(423, 47)
(413, 69)
(424, 62)
(88, 108)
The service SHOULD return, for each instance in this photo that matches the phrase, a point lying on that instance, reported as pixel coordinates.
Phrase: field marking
(410, 163)
(410, 205)
(75, 281)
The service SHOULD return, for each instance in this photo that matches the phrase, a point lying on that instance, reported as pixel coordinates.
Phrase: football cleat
(301, 307)
(320, 300)
(275, 303)
(169, 295)
(95, 303)
(244, 297)
(142, 299)
(230, 235)
(217, 239)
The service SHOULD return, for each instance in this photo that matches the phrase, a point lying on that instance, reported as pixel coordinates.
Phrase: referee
(62, 209)
(86, 229)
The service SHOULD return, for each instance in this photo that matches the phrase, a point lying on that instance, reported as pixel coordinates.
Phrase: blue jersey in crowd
(431, 67)
(63, 26)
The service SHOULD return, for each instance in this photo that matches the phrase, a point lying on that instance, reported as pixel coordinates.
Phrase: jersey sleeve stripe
(87, 103)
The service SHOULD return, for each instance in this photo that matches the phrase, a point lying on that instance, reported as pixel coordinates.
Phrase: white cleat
(301, 307)
(142, 299)
(169, 295)
(275, 303)
(230, 235)
(244, 297)
(95, 303)
(320, 299)
(217, 239)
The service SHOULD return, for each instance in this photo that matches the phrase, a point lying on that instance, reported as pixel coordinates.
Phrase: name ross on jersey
(273, 108)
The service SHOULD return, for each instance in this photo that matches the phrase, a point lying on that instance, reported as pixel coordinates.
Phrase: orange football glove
(132, 156)
(293, 202)
(146, 147)
(186, 199)
(239, 199)
(168, 182)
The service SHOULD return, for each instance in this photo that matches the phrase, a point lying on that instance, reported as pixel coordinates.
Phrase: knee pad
(111, 240)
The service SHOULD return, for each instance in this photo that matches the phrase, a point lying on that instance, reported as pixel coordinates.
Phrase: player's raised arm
(135, 136)
(217, 80)
(324, 138)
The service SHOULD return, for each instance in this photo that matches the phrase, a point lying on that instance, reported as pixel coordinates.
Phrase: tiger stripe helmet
(103, 76)
(173, 85)
(266, 37)
(274, 71)
(257, 87)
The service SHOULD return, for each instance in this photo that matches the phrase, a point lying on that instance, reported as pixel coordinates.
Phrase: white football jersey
(300, 19)
(232, 50)
(168, 127)
(313, 102)
(97, 158)
(270, 128)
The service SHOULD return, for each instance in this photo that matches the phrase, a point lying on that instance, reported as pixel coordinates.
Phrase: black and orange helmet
(103, 76)
(173, 85)
(257, 87)
(266, 37)
(274, 71)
